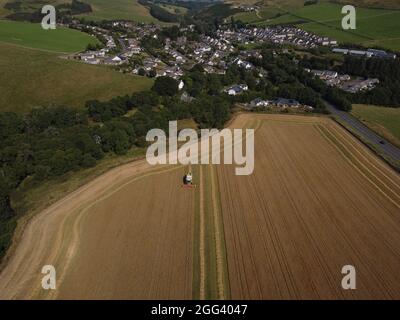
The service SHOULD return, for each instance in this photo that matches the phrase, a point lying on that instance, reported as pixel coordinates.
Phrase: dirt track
(318, 200)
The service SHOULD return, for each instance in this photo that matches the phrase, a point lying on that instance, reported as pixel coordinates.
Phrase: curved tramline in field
(318, 200)
(120, 237)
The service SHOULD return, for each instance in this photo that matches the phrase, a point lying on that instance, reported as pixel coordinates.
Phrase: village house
(243, 64)
(115, 61)
(286, 103)
(174, 72)
(259, 103)
(236, 89)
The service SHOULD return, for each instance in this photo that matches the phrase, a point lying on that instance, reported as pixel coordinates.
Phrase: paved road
(387, 148)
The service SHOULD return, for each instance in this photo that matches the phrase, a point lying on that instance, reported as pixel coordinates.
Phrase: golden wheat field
(317, 200)
(127, 235)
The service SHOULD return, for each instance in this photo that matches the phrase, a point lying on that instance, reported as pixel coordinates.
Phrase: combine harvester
(188, 181)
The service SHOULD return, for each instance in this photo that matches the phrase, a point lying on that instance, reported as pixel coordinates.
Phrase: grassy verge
(391, 162)
(382, 120)
(224, 255)
(211, 262)
(196, 240)
(211, 239)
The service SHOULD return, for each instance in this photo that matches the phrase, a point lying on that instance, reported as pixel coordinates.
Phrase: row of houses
(344, 81)
(331, 78)
(281, 103)
(100, 57)
(246, 7)
(360, 85)
(286, 34)
(369, 53)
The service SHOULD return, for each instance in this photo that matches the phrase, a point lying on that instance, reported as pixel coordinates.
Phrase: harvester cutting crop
(188, 181)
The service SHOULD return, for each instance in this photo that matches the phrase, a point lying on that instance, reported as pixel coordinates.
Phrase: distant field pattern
(378, 27)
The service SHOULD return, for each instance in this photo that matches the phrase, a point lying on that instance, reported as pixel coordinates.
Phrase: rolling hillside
(32, 73)
(387, 4)
(375, 27)
(119, 9)
(33, 36)
(286, 4)
(102, 9)
(30, 78)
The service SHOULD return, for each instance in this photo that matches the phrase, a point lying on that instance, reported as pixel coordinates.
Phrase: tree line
(63, 11)
(387, 93)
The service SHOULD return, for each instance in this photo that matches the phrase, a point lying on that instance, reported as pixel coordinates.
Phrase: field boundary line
(354, 165)
(202, 237)
(37, 49)
(83, 210)
(341, 141)
(335, 141)
(218, 238)
(380, 168)
(363, 18)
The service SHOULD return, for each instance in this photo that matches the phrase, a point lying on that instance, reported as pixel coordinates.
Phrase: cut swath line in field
(382, 170)
(68, 249)
(389, 185)
(222, 269)
(202, 238)
(305, 212)
(209, 252)
(361, 168)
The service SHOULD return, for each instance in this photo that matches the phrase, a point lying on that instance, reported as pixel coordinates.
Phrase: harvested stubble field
(126, 235)
(317, 200)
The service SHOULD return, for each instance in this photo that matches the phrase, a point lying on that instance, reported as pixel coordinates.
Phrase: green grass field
(291, 4)
(374, 26)
(263, 14)
(173, 8)
(30, 78)
(387, 4)
(33, 36)
(385, 121)
(119, 9)
(379, 27)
